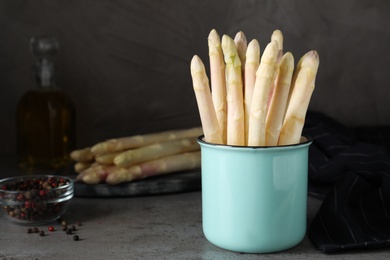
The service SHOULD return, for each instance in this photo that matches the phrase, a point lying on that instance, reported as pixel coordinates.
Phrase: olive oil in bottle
(45, 116)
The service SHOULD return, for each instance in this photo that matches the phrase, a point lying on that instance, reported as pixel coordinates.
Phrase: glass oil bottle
(45, 117)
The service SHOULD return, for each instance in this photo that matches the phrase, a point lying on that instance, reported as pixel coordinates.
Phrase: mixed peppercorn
(69, 230)
(38, 200)
(35, 199)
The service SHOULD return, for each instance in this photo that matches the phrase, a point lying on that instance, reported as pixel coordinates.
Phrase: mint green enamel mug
(254, 199)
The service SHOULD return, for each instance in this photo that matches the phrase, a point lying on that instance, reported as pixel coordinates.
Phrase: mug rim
(306, 141)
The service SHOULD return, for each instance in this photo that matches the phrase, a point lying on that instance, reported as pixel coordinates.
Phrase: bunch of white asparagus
(253, 101)
(136, 157)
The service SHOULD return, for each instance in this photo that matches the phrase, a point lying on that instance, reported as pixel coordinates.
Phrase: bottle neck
(45, 81)
(44, 70)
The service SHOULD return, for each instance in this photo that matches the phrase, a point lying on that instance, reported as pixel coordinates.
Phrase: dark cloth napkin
(353, 180)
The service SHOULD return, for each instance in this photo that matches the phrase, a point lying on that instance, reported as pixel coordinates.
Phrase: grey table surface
(147, 227)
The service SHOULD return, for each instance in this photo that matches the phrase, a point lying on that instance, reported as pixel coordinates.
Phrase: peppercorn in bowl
(35, 199)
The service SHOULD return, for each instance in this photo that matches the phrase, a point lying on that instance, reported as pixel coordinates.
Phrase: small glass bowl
(35, 199)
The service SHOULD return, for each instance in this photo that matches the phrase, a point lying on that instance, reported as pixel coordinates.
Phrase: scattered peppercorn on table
(144, 227)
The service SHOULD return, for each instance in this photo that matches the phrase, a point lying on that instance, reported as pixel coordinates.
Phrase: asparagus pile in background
(136, 157)
(255, 100)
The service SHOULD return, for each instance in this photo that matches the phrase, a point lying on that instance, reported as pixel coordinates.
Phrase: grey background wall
(125, 63)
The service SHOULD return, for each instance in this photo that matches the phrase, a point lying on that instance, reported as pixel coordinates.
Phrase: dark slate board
(171, 183)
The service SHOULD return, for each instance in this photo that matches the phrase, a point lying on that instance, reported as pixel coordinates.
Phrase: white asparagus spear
(82, 155)
(154, 151)
(123, 143)
(264, 79)
(241, 45)
(234, 86)
(251, 65)
(273, 82)
(217, 79)
(207, 113)
(169, 164)
(277, 35)
(277, 107)
(107, 158)
(81, 166)
(96, 173)
(302, 89)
